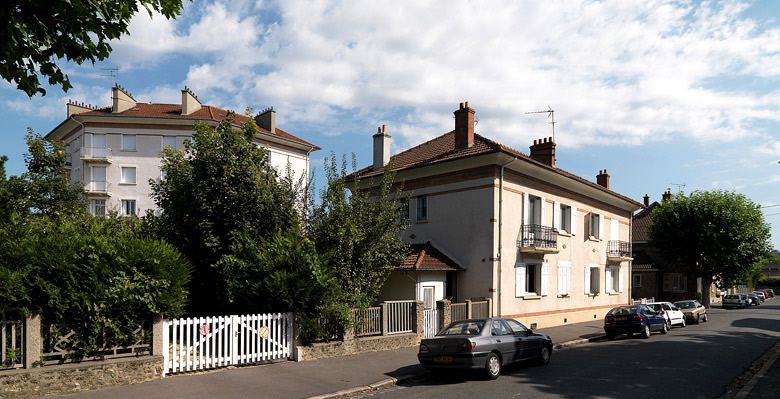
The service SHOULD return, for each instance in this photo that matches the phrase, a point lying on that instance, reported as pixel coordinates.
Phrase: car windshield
(731, 297)
(654, 306)
(685, 305)
(623, 310)
(470, 327)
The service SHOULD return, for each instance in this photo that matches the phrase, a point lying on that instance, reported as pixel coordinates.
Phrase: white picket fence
(210, 342)
(432, 322)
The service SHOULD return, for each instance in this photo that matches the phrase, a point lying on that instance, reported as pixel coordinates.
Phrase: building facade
(114, 151)
(548, 247)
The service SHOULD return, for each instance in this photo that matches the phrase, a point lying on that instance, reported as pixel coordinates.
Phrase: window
(595, 225)
(534, 210)
(565, 218)
(422, 207)
(128, 175)
(99, 141)
(612, 279)
(97, 182)
(564, 278)
(675, 282)
(530, 279)
(428, 297)
(498, 327)
(404, 211)
(592, 279)
(637, 283)
(128, 142)
(97, 207)
(128, 208)
(168, 141)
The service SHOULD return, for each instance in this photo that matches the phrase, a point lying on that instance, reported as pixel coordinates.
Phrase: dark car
(634, 319)
(487, 344)
(754, 299)
(694, 311)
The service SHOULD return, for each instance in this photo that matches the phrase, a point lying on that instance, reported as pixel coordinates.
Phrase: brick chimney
(543, 151)
(602, 179)
(381, 147)
(122, 100)
(464, 126)
(667, 196)
(267, 119)
(189, 102)
(647, 200)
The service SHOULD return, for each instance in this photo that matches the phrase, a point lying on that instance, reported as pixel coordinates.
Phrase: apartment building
(547, 246)
(115, 150)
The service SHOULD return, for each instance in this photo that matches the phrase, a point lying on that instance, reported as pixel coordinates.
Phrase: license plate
(442, 359)
(621, 318)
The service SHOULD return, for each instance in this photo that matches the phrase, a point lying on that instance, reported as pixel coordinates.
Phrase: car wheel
(544, 355)
(665, 329)
(611, 337)
(493, 366)
(646, 332)
(698, 318)
(668, 325)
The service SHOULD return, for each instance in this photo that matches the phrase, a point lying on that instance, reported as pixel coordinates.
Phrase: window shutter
(601, 227)
(608, 279)
(519, 279)
(613, 229)
(556, 215)
(542, 213)
(561, 273)
(587, 279)
(573, 219)
(621, 276)
(526, 208)
(545, 278)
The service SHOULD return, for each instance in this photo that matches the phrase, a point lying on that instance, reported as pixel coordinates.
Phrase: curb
(388, 382)
(769, 358)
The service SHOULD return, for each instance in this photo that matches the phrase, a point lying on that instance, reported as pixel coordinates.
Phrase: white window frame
(612, 279)
(163, 145)
(596, 225)
(125, 148)
(422, 208)
(592, 280)
(540, 273)
(432, 289)
(122, 174)
(124, 208)
(93, 207)
(564, 278)
(562, 219)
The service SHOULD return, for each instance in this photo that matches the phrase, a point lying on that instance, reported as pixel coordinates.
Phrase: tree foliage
(37, 34)
(219, 203)
(358, 232)
(711, 234)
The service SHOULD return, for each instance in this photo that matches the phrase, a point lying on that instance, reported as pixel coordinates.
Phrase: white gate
(432, 322)
(210, 342)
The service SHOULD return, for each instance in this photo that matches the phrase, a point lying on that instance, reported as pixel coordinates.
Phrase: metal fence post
(33, 345)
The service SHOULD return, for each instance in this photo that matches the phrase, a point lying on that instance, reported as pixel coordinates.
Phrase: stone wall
(357, 345)
(76, 377)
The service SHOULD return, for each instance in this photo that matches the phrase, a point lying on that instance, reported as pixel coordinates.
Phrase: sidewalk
(306, 379)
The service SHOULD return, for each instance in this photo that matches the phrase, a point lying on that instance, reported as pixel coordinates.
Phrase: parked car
(487, 344)
(771, 292)
(753, 299)
(674, 317)
(766, 293)
(760, 295)
(735, 301)
(639, 319)
(694, 311)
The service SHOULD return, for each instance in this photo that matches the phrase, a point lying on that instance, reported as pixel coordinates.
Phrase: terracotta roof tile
(205, 113)
(427, 257)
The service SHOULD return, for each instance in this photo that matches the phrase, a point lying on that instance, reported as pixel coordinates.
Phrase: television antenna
(680, 186)
(112, 73)
(550, 114)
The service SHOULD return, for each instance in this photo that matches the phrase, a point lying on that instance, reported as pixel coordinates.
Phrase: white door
(428, 297)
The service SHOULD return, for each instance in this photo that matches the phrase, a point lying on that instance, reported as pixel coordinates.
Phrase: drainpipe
(500, 229)
(631, 255)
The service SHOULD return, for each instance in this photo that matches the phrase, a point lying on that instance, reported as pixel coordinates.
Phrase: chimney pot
(382, 142)
(543, 151)
(464, 126)
(602, 179)
(647, 200)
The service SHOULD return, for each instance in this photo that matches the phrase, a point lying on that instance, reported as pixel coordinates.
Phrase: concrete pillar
(445, 313)
(33, 345)
(419, 322)
(490, 308)
(468, 308)
(157, 336)
(385, 318)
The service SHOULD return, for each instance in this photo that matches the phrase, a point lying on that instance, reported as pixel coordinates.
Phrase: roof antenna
(112, 73)
(551, 115)
(680, 187)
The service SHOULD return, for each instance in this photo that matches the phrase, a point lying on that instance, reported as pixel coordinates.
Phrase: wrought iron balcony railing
(538, 236)
(618, 249)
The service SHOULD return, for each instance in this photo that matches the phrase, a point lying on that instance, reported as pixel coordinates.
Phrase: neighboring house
(115, 150)
(772, 270)
(547, 246)
(652, 277)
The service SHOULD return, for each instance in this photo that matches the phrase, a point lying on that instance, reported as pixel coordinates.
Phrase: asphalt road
(698, 361)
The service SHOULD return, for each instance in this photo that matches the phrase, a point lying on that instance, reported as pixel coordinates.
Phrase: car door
(655, 320)
(525, 346)
(504, 340)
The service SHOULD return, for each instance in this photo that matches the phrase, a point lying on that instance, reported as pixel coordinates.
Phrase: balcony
(96, 154)
(98, 188)
(618, 251)
(538, 239)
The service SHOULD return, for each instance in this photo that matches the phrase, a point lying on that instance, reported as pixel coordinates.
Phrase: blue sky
(658, 93)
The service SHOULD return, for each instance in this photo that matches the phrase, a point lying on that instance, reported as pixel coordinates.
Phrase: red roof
(205, 113)
(427, 257)
(642, 223)
(442, 149)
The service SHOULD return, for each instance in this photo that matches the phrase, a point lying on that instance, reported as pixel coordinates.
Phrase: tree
(37, 34)
(358, 232)
(219, 197)
(716, 235)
